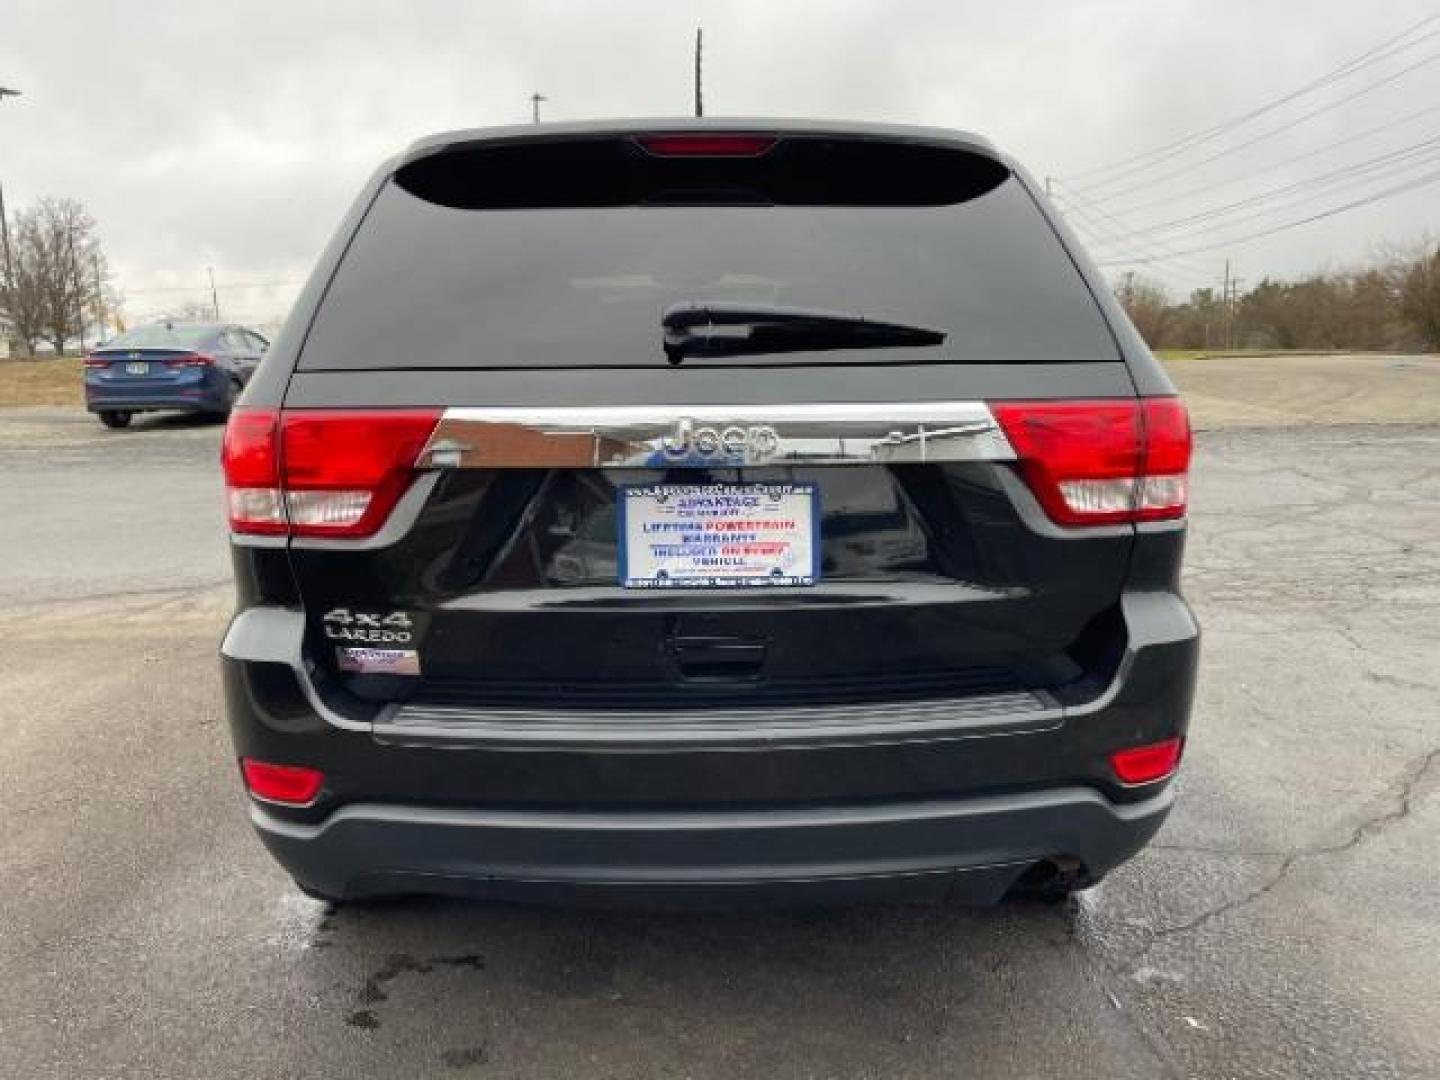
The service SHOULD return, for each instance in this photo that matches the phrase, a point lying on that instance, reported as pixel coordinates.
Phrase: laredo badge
(371, 627)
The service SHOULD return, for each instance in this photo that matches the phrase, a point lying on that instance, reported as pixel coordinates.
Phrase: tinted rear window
(161, 336)
(507, 266)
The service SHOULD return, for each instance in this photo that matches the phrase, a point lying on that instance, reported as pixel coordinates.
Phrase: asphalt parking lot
(1285, 924)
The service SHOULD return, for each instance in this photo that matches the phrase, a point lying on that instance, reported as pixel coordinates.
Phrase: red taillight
(1165, 473)
(706, 144)
(1097, 462)
(1146, 764)
(320, 472)
(293, 785)
(97, 361)
(250, 458)
(190, 360)
(344, 471)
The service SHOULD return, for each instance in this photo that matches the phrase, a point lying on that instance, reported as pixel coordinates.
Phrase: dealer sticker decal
(378, 661)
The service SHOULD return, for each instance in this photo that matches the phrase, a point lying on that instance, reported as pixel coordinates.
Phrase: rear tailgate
(516, 291)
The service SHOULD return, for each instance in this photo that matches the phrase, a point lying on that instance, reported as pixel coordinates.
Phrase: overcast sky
(233, 135)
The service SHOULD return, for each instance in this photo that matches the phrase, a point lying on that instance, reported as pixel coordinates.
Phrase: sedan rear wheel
(232, 394)
(115, 418)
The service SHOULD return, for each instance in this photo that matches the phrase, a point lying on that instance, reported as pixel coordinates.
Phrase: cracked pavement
(1284, 924)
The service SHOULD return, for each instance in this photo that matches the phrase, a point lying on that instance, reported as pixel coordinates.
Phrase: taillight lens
(320, 472)
(706, 144)
(1147, 764)
(291, 785)
(250, 458)
(190, 360)
(1165, 472)
(1098, 462)
(97, 361)
(344, 471)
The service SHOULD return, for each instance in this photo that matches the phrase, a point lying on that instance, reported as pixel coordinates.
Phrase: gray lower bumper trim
(369, 848)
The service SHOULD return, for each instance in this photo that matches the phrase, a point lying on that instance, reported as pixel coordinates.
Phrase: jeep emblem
(758, 442)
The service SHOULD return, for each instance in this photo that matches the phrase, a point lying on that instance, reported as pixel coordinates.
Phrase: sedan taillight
(1098, 462)
(190, 360)
(320, 472)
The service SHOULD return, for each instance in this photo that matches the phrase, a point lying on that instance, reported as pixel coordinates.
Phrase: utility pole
(535, 100)
(214, 294)
(1225, 303)
(699, 96)
(1235, 283)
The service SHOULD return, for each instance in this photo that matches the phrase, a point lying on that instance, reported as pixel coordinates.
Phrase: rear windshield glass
(440, 279)
(161, 336)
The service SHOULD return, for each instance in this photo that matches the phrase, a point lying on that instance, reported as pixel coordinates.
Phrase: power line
(1089, 219)
(1127, 232)
(1207, 188)
(1374, 55)
(1120, 256)
(222, 285)
(1271, 133)
(1428, 178)
(1178, 270)
(1421, 152)
(1295, 204)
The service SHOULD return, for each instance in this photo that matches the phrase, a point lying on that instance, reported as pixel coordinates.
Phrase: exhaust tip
(1051, 880)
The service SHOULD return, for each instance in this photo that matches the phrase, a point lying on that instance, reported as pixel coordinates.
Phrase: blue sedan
(192, 367)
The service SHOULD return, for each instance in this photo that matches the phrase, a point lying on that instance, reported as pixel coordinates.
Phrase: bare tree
(1420, 296)
(1148, 305)
(58, 273)
(23, 301)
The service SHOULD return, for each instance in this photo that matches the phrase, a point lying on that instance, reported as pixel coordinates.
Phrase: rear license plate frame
(740, 561)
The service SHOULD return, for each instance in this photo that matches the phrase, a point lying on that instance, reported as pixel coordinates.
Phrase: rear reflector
(292, 785)
(320, 472)
(1098, 462)
(706, 144)
(1146, 764)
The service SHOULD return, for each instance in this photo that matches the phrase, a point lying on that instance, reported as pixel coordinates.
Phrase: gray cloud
(234, 135)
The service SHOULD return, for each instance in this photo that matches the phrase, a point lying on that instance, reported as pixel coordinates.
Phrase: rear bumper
(968, 849)
(946, 799)
(208, 393)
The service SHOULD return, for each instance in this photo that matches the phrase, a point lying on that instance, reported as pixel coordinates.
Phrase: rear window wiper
(720, 329)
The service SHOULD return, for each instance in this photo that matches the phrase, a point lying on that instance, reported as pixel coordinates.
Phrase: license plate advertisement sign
(714, 536)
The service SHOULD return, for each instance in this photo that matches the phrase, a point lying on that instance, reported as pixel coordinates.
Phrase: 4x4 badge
(369, 627)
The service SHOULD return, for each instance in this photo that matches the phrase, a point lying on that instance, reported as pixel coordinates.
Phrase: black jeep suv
(707, 509)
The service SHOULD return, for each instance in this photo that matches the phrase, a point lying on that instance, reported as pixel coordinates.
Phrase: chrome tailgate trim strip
(716, 436)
